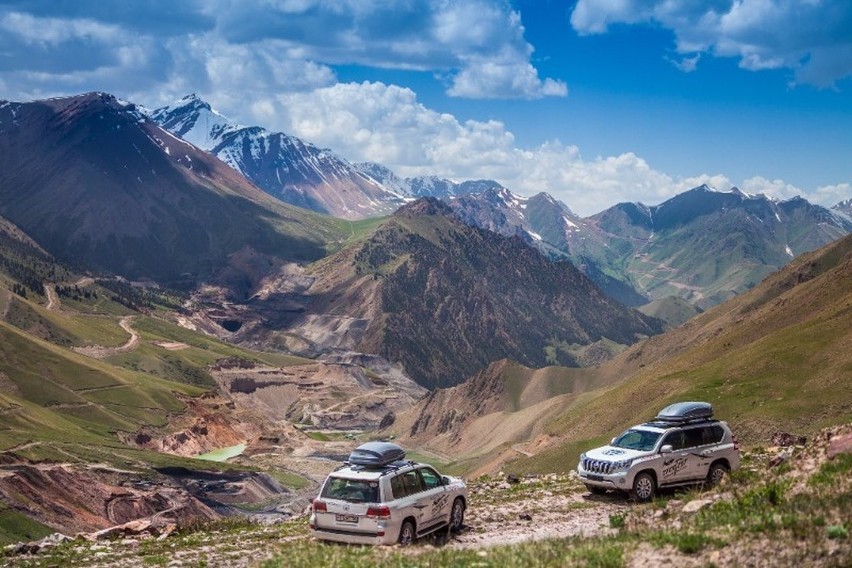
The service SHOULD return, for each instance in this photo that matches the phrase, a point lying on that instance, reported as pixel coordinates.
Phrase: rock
(525, 517)
(780, 458)
(52, 540)
(840, 445)
(697, 505)
(512, 478)
(504, 485)
(132, 527)
(785, 439)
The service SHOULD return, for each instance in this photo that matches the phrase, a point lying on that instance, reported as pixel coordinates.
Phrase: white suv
(683, 445)
(377, 497)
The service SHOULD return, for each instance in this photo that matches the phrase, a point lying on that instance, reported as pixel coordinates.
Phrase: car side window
(431, 479)
(674, 439)
(397, 487)
(413, 483)
(694, 437)
(713, 434)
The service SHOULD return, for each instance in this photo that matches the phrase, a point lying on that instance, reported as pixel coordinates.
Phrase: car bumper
(353, 537)
(617, 481)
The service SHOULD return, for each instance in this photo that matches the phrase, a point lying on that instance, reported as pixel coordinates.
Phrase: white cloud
(52, 31)
(829, 195)
(478, 46)
(387, 124)
(812, 37)
(686, 64)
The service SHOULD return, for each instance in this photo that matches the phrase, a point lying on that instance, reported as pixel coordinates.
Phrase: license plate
(346, 518)
(595, 477)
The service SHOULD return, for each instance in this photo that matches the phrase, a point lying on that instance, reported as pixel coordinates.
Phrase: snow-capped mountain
(547, 224)
(844, 207)
(706, 245)
(97, 184)
(295, 171)
(702, 245)
(424, 186)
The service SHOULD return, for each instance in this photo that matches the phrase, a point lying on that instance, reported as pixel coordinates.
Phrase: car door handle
(419, 506)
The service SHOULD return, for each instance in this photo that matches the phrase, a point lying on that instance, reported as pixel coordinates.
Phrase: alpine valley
(199, 320)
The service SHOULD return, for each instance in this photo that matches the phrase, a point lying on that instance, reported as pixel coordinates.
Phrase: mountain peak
(425, 206)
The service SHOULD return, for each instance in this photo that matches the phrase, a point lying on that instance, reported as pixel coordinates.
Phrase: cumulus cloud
(479, 44)
(812, 38)
(478, 47)
(375, 122)
(387, 124)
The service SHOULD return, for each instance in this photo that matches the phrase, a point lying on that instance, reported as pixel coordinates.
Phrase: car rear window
(351, 490)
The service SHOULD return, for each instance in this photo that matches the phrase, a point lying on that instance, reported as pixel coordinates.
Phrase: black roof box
(680, 412)
(376, 454)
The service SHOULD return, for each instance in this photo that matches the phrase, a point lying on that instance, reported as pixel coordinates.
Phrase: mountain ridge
(93, 181)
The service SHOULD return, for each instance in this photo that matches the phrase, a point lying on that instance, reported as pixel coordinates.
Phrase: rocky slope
(703, 245)
(445, 299)
(768, 515)
(96, 183)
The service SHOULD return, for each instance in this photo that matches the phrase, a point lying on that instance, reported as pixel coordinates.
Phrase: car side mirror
(667, 449)
(445, 480)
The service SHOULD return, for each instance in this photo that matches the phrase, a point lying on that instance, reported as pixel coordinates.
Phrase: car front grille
(597, 466)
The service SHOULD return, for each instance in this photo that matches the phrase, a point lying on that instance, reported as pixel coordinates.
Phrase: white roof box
(686, 412)
(376, 454)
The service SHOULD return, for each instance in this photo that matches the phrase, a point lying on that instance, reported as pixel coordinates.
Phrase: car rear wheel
(644, 487)
(406, 533)
(716, 474)
(457, 516)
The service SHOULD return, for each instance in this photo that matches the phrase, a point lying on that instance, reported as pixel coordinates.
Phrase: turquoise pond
(223, 454)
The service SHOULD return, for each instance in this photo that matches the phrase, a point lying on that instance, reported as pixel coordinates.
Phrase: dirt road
(101, 352)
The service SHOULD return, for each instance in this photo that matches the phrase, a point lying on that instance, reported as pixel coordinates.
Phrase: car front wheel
(644, 487)
(457, 516)
(406, 533)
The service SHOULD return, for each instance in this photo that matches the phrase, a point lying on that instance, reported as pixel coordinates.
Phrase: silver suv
(683, 445)
(378, 497)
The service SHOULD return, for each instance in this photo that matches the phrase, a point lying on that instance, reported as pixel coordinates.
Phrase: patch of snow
(534, 235)
(789, 251)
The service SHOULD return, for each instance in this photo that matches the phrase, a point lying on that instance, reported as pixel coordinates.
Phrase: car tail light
(378, 513)
(736, 442)
(319, 506)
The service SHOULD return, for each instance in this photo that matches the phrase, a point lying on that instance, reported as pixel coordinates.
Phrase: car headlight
(622, 465)
(582, 457)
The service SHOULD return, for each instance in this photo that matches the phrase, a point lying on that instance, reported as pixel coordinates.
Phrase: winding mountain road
(52, 297)
(101, 352)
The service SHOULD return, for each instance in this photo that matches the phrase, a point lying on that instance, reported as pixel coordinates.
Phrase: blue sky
(596, 101)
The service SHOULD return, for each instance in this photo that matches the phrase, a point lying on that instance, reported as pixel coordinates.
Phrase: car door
(693, 444)
(415, 502)
(676, 464)
(435, 492)
(707, 449)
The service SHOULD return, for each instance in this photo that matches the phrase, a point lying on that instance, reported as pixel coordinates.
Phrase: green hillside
(776, 358)
(51, 393)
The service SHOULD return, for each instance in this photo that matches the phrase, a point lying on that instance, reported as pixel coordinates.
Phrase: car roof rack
(681, 413)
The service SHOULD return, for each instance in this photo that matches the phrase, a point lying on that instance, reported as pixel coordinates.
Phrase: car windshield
(351, 490)
(642, 440)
